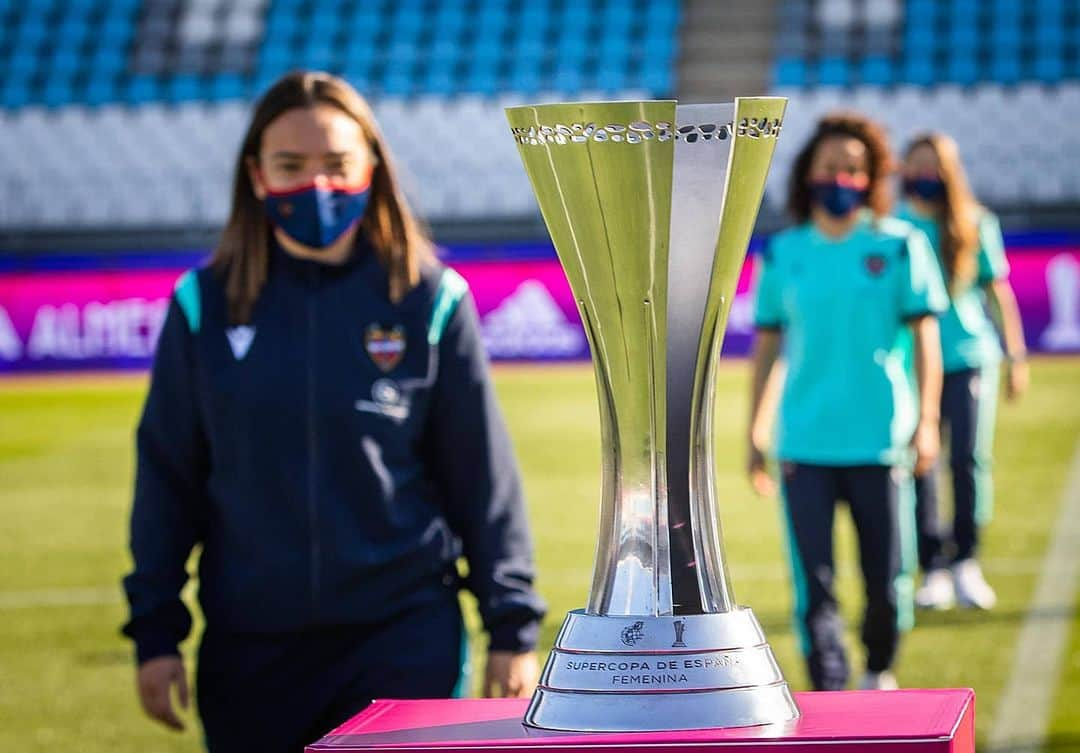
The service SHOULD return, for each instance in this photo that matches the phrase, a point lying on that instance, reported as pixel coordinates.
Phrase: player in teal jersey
(847, 293)
(969, 247)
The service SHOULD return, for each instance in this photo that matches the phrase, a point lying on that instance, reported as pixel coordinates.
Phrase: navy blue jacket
(334, 460)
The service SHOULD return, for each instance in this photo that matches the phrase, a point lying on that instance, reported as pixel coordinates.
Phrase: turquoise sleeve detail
(452, 288)
(923, 289)
(767, 309)
(993, 265)
(187, 295)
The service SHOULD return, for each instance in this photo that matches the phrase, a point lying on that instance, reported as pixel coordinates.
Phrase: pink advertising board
(94, 319)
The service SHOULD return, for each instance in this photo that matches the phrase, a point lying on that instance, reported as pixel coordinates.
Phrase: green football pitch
(66, 680)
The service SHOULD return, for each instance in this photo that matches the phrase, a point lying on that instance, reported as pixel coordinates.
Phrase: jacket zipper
(313, 451)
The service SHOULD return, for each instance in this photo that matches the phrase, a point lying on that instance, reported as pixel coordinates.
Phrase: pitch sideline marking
(1023, 710)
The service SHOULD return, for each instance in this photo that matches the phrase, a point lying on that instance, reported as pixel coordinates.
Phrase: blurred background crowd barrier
(120, 121)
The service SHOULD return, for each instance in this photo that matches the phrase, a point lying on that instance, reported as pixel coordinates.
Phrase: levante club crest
(385, 345)
(875, 264)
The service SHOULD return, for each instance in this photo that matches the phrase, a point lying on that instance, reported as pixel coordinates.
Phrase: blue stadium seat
(1049, 68)
(31, 32)
(23, 62)
(877, 71)
(183, 87)
(1005, 69)
(66, 60)
(962, 70)
(529, 48)
(101, 89)
(116, 30)
(611, 78)
(1005, 38)
(397, 81)
(280, 24)
(57, 90)
(525, 79)
(481, 79)
(440, 79)
(660, 47)
(658, 80)
(403, 52)
(324, 22)
(359, 50)
(919, 70)
(833, 71)
(567, 79)
(920, 41)
(225, 86)
(407, 21)
(15, 93)
(1050, 35)
(487, 52)
(963, 37)
(141, 89)
(790, 72)
(920, 13)
(571, 48)
(663, 14)
(317, 54)
(534, 16)
(108, 59)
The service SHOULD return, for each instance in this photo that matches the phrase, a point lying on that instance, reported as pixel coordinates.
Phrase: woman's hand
(154, 680)
(511, 675)
(1017, 379)
(756, 468)
(927, 443)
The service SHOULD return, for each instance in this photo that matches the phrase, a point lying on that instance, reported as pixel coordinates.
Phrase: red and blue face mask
(839, 196)
(317, 215)
(925, 187)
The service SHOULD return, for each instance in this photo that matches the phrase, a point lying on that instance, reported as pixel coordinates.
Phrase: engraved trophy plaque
(650, 206)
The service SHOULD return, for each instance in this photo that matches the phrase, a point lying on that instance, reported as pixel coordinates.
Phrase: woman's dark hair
(879, 158)
(242, 254)
(957, 214)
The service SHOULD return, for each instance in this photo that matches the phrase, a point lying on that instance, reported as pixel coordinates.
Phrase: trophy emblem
(650, 206)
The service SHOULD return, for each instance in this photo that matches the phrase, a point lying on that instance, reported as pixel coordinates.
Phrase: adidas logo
(530, 324)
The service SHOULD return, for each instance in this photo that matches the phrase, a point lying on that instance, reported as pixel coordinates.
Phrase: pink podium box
(899, 721)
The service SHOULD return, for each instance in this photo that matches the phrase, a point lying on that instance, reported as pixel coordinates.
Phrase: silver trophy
(650, 206)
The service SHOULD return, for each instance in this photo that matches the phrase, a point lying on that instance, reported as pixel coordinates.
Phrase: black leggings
(879, 498)
(968, 402)
(282, 692)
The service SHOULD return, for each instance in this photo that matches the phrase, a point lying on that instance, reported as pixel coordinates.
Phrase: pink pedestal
(899, 721)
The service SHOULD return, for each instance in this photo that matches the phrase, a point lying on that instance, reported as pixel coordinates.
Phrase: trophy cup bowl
(650, 206)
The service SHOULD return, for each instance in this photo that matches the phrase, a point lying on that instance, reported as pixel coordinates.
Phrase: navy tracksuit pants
(282, 692)
(968, 400)
(879, 498)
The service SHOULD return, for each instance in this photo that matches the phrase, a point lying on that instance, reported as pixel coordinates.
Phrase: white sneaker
(879, 681)
(936, 591)
(972, 590)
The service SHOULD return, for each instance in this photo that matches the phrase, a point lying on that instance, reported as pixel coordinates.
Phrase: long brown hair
(242, 254)
(958, 212)
(880, 162)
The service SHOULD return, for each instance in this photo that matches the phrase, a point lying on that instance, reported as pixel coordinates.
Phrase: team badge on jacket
(875, 264)
(385, 346)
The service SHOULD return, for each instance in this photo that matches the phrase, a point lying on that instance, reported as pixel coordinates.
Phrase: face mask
(317, 215)
(927, 189)
(837, 198)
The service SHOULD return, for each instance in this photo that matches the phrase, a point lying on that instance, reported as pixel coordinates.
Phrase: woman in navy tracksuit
(321, 423)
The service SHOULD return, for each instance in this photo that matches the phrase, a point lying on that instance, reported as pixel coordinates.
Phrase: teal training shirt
(843, 306)
(968, 337)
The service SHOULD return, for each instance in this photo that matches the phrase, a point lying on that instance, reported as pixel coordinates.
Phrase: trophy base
(645, 673)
